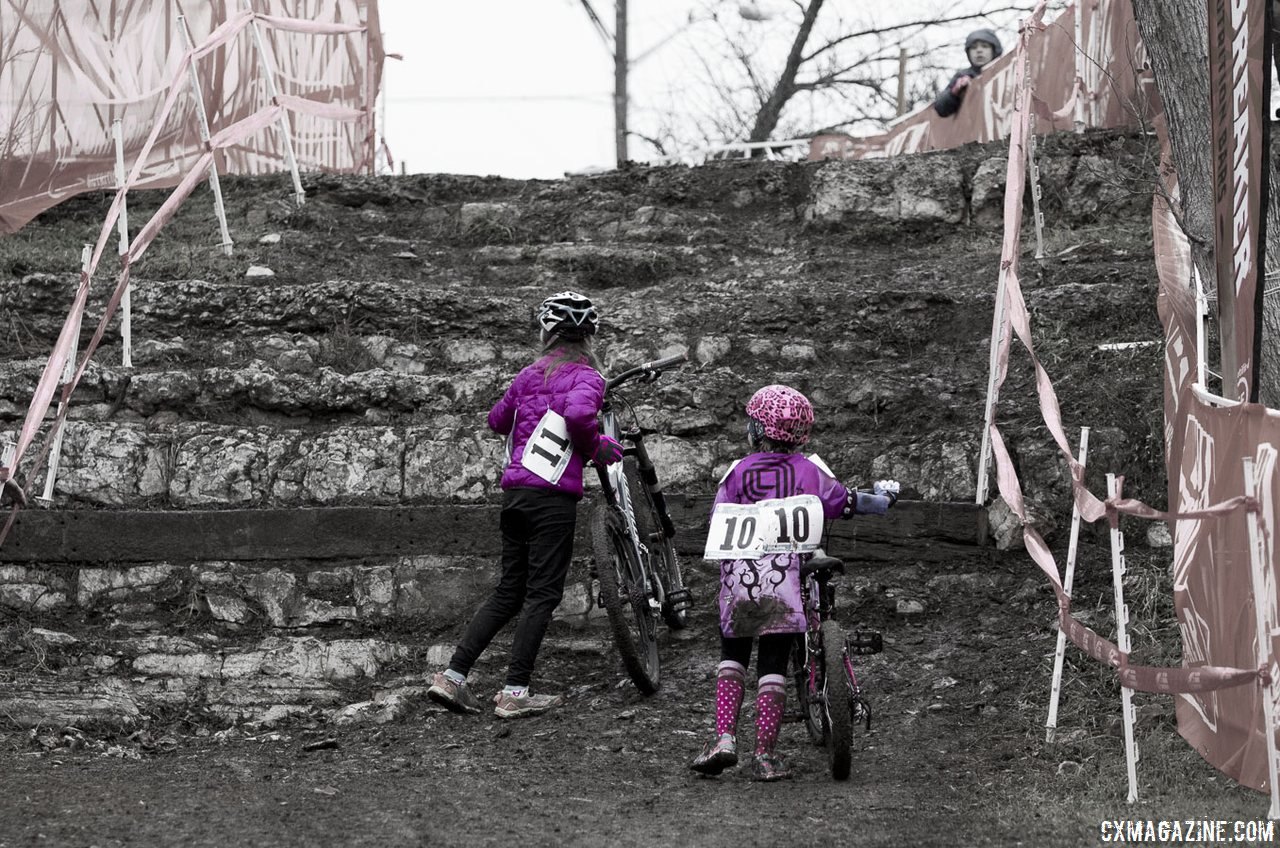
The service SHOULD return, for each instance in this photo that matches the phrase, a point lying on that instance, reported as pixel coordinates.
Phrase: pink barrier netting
(69, 71)
(1115, 93)
(239, 134)
(1220, 687)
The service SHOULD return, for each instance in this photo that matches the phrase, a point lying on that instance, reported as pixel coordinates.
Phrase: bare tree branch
(771, 111)
(921, 24)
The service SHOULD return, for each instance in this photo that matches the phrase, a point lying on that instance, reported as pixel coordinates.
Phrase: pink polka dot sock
(771, 700)
(729, 690)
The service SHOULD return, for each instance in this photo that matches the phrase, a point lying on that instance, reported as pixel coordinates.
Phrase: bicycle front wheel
(625, 601)
(809, 700)
(662, 550)
(838, 701)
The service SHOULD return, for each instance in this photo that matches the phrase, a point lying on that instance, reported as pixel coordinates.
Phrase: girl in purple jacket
(760, 594)
(549, 416)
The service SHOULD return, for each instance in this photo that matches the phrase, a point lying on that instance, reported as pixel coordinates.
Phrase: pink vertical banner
(1237, 41)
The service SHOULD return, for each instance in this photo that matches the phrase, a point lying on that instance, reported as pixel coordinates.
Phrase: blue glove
(608, 451)
(888, 488)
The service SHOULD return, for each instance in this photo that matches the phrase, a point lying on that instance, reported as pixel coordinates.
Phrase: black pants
(775, 651)
(537, 547)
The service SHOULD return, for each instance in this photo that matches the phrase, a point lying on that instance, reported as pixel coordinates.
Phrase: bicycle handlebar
(657, 367)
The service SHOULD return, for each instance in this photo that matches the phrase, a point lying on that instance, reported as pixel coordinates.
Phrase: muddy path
(956, 755)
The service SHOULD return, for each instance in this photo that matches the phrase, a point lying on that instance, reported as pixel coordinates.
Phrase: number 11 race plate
(777, 526)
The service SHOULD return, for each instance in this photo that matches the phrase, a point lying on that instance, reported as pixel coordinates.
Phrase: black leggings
(537, 547)
(775, 651)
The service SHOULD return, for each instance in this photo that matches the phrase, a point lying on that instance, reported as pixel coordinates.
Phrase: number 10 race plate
(777, 526)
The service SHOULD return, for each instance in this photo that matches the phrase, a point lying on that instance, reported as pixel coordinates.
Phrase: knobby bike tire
(662, 550)
(624, 600)
(839, 702)
(809, 702)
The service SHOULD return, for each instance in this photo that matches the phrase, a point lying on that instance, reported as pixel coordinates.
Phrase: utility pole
(620, 63)
(902, 81)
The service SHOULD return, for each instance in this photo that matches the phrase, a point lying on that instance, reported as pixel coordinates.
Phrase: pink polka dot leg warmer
(729, 689)
(771, 700)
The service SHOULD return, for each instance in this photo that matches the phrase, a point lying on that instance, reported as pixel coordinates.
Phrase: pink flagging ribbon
(333, 111)
(1016, 321)
(309, 26)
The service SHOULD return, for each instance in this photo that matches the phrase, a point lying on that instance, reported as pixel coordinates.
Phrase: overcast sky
(523, 88)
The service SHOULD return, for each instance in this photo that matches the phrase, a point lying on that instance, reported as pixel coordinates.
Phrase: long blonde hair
(562, 350)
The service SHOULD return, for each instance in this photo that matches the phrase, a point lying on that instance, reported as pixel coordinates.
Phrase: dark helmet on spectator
(569, 315)
(986, 35)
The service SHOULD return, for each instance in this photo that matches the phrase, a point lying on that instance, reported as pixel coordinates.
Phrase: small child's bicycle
(827, 688)
(632, 537)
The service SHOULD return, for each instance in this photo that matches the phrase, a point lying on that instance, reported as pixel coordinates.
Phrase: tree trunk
(1176, 36)
(771, 110)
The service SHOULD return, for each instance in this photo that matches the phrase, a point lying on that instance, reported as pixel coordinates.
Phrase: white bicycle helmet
(569, 315)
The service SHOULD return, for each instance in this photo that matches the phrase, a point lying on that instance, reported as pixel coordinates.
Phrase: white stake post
(286, 137)
(1258, 560)
(1033, 171)
(1051, 724)
(984, 458)
(122, 228)
(1202, 313)
(1081, 59)
(214, 183)
(1122, 642)
(68, 371)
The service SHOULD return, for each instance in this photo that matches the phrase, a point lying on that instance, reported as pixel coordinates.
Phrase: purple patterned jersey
(763, 595)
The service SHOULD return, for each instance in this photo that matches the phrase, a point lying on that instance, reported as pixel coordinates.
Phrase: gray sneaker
(528, 704)
(453, 696)
(721, 753)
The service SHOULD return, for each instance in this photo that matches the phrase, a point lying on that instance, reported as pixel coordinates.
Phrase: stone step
(83, 537)
(90, 683)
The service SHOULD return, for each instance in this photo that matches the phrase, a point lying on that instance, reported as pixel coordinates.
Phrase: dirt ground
(956, 755)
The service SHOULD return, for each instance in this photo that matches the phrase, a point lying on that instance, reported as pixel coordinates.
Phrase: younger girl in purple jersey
(760, 598)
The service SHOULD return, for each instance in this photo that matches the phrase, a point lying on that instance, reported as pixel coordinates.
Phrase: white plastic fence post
(1033, 170)
(1258, 559)
(1202, 313)
(122, 228)
(984, 458)
(286, 137)
(1081, 60)
(1122, 642)
(214, 183)
(68, 371)
(1055, 689)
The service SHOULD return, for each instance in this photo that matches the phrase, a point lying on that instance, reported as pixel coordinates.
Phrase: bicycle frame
(617, 494)
(817, 612)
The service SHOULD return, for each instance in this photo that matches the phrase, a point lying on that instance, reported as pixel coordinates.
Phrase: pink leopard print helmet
(785, 414)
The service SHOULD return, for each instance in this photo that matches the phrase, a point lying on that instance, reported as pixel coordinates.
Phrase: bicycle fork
(674, 600)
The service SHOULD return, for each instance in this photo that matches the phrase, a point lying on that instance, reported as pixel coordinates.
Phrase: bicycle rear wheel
(838, 701)
(662, 550)
(622, 593)
(809, 700)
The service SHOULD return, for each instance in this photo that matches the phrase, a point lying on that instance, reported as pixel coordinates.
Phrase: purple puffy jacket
(575, 390)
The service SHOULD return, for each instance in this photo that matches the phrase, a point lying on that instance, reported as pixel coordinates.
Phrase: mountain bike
(827, 687)
(632, 536)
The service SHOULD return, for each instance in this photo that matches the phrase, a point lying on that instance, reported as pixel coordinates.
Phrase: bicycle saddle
(820, 562)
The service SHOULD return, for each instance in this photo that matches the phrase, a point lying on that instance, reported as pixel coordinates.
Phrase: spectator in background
(981, 47)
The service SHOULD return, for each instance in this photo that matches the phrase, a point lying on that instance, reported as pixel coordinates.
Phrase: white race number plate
(779, 525)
